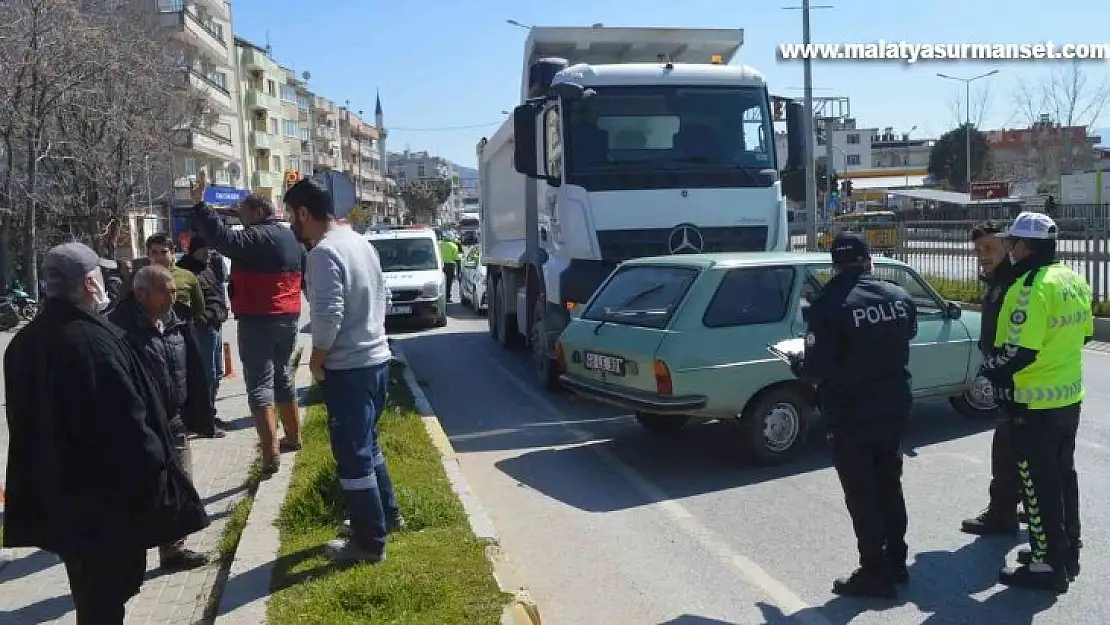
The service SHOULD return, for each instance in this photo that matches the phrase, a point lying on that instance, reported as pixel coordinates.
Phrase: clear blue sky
(442, 64)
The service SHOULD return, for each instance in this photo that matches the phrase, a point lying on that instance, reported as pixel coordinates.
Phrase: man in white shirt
(350, 360)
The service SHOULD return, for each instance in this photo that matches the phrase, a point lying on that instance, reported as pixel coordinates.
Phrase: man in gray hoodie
(350, 360)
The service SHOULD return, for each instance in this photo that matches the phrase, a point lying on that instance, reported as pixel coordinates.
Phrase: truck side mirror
(795, 136)
(524, 141)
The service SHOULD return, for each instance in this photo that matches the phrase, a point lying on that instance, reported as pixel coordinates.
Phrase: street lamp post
(967, 114)
(906, 165)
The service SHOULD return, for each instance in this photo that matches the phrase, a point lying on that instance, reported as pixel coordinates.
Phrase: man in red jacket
(265, 289)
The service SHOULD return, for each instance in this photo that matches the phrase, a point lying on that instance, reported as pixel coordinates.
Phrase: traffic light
(291, 177)
(847, 188)
(834, 182)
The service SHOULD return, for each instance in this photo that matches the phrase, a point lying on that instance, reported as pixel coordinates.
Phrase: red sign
(990, 190)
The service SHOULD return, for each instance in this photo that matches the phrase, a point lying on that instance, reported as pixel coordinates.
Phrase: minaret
(379, 121)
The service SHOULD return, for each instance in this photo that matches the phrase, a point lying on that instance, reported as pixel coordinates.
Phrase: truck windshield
(677, 137)
(406, 254)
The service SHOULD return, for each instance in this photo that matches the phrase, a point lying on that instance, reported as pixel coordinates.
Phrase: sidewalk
(34, 584)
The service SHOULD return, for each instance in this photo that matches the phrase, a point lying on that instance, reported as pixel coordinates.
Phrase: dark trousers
(210, 340)
(869, 464)
(1044, 443)
(102, 583)
(185, 457)
(449, 277)
(1005, 489)
(355, 399)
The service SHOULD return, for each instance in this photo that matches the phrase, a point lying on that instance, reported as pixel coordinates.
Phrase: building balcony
(326, 160)
(324, 133)
(253, 59)
(206, 141)
(260, 140)
(267, 179)
(258, 100)
(207, 37)
(218, 95)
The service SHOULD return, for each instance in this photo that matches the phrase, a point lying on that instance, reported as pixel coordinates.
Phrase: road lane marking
(785, 599)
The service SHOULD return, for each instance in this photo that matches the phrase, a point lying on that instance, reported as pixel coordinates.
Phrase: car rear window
(751, 296)
(642, 295)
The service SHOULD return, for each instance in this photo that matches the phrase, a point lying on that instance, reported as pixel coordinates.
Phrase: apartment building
(410, 166)
(362, 160)
(200, 33)
(270, 134)
(1043, 152)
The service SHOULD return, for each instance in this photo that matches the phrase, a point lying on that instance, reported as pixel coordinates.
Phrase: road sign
(342, 191)
(990, 190)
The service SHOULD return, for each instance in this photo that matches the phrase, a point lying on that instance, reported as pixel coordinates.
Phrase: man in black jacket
(199, 260)
(1001, 515)
(167, 345)
(91, 473)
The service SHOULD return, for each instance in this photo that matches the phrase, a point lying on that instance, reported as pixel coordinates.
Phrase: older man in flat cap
(91, 474)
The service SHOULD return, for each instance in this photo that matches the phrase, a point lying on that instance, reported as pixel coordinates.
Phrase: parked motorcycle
(24, 303)
(9, 313)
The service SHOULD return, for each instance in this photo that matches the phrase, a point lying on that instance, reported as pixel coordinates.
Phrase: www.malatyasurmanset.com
(906, 52)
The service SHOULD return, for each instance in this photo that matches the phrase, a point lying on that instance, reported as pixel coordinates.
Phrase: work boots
(875, 582)
(992, 522)
(1071, 565)
(1036, 577)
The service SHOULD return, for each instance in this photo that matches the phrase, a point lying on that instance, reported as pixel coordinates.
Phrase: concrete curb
(246, 588)
(1102, 325)
(522, 610)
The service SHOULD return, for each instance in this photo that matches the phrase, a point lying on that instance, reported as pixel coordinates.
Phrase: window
(642, 295)
(288, 93)
(291, 160)
(276, 160)
(852, 159)
(307, 167)
(853, 138)
(190, 166)
(291, 128)
(750, 296)
(305, 135)
(271, 88)
(922, 294)
(406, 254)
(420, 170)
(273, 126)
(553, 143)
(304, 101)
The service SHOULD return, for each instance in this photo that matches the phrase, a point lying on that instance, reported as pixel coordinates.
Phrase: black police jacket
(996, 286)
(858, 351)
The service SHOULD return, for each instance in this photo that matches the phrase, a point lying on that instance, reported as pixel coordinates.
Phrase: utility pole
(311, 124)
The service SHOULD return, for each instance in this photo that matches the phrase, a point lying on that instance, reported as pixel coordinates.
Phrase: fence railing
(942, 250)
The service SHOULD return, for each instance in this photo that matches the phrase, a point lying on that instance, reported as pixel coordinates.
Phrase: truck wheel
(547, 369)
(662, 425)
(491, 309)
(776, 425)
(507, 333)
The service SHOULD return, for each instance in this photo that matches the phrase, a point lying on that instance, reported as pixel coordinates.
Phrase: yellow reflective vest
(1047, 310)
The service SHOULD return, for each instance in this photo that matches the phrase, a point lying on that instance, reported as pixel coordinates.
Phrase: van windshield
(642, 295)
(406, 254)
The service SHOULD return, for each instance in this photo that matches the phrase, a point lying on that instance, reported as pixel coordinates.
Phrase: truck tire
(507, 333)
(491, 311)
(546, 368)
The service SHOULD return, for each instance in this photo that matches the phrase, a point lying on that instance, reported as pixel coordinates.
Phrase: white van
(413, 272)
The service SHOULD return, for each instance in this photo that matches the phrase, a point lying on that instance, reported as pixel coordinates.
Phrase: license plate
(400, 310)
(601, 362)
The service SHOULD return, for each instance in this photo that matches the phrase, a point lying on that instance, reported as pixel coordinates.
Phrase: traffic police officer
(1036, 367)
(857, 352)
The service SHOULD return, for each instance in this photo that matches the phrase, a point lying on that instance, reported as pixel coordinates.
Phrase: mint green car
(685, 337)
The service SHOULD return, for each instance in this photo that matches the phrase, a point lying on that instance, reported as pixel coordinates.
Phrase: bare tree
(981, 99)
(1066, 98)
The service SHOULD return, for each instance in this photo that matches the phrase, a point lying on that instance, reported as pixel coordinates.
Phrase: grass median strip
(971, 291)
(436, 570)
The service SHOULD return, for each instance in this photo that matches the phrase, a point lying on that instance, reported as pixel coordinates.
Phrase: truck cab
(629, 142)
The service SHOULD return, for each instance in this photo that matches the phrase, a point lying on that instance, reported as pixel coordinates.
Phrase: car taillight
(560, 357)
(662, 378)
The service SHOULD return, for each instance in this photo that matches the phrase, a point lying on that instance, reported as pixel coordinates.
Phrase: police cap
(849, 247)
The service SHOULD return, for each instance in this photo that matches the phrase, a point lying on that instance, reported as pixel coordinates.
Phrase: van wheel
(441, 321)
(978, 400)
(777, 425)
(662, 425)
(507, 333)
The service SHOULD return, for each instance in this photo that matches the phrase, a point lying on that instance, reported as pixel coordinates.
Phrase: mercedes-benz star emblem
(685, 239)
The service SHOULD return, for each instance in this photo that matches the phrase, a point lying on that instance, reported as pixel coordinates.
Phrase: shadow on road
(690, 619)
(941, 584)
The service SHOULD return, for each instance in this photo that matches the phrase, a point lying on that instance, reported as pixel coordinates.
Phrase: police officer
(1036, 367)
(857, 352)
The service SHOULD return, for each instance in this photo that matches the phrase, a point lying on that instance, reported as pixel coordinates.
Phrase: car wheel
(977, 401)
(777, 425)
(662, 425)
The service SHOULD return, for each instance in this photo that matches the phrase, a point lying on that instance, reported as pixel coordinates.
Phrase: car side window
(922, 296)
(751, 296)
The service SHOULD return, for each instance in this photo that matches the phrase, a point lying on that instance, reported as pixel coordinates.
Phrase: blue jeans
(210, 340)
(355, 399)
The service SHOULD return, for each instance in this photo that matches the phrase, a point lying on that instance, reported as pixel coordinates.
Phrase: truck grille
(405, 295)
(620, 245)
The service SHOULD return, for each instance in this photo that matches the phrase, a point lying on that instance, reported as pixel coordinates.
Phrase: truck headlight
(430, 289)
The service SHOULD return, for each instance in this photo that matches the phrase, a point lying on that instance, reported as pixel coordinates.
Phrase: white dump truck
(628, 142)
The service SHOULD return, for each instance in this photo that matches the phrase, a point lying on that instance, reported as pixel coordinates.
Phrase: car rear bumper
(632, 399)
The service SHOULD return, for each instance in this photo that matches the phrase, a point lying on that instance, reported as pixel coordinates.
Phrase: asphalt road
(608, 524)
